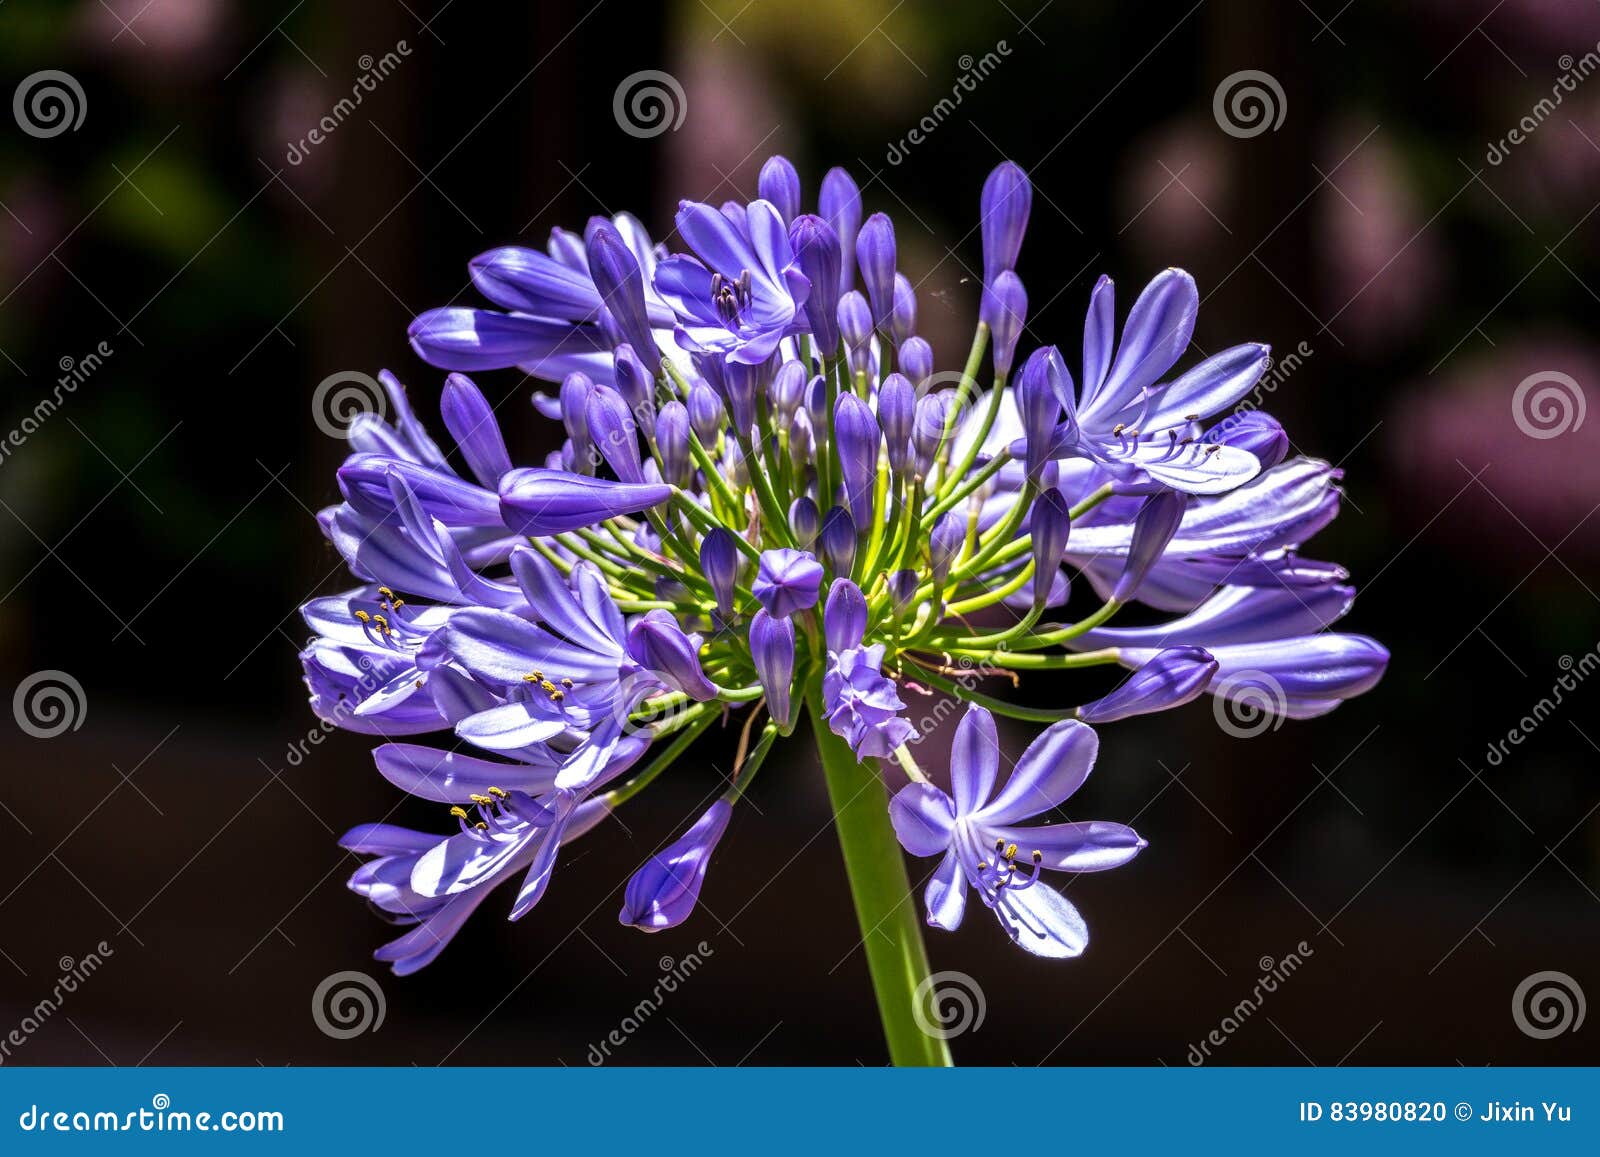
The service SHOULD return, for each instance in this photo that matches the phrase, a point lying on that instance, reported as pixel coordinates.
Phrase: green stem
(890, 929)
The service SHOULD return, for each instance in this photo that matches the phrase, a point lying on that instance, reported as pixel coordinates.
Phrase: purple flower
(1003, 218)
(861, 703)
(1005, 312)
(837, 539)
(779, 183)
(855, 428)
(916, 361)
(1170, 678)
(787, 581)
(743, 294)
(541, 502)
(976, 830)
(617, 276)
(663, 892)
(720, 562)
(897, 413)
(876, 256)
(840, 203)
(816, 249)
(772, 655)
(903, 317)
(1130, 423)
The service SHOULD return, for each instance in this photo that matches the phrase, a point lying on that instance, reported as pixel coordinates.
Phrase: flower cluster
(766, 500)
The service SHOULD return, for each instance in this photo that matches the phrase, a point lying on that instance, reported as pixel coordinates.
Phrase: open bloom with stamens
(979, 833)
(769, 508)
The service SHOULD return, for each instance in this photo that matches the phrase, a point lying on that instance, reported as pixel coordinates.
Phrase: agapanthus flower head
(769, 506)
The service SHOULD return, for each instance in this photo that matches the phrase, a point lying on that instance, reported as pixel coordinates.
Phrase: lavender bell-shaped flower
(844, 615)
(1153, 527)
(540, 502)
(1171, 678)
(903, 316)
(855, 429)
(1038, 408)
(787, 391)
(876, 256)
(1005, 312)
(471, 422)
(1004, 207)
(672, 443)
(614, 433)
(574, 397)
(840, 204)
(720, 562)
(657, 643)
(787, 581)
(772, 655)
(817, 252)
(805, 519)
(944, 543)
(1049, 523)
(636, 384)
(663, 893)
(779, 183)
(706, 413)
(928, 430)
(916, 361)
(897, 415)
(855, 325)
(617, 276)
(837, 538)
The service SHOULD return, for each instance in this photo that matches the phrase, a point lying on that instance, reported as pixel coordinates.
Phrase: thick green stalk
(891, 931)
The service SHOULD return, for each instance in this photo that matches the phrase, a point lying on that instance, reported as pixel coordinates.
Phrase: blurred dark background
(156, 530)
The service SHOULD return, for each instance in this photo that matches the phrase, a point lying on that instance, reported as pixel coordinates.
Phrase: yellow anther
(534, 678)
(547, 685)
(459, 812)
(383, 623)
(1037, 855)
(1011, 851)
(397, 604)
(501, 792)
(481, 826)
(418, 684)
(386, 592)
(557, 696)
(481, 799)
(363, 616)
(566, 683)
(1117, 429)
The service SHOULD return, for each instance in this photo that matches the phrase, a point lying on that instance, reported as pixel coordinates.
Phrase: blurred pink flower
(1176, 191)
(1540, 442)
(156, 35)
(1382, 266)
